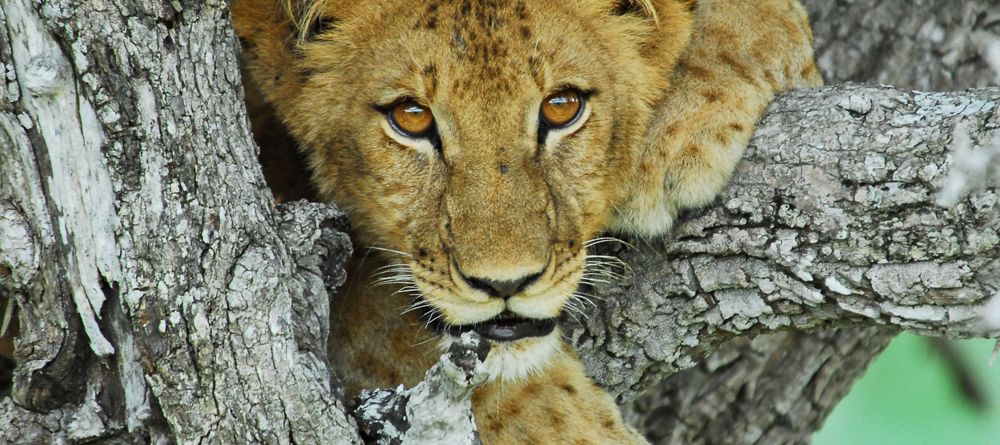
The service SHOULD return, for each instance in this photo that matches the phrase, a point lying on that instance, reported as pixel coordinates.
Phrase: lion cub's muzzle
(501, 288)
(505, 327)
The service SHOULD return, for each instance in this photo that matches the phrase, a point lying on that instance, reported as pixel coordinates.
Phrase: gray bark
(436, 410)
(814, 231)
(922, 44)
(795, 380)
(163, 298)
(157, 282)
(928, 45)
(774, 389)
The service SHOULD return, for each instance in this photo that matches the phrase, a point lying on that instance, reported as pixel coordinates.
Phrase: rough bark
(156, 281)
(436, 410)
(163, 298)
(773, 389)
(923, 44)
(927, 45)
(822, 226)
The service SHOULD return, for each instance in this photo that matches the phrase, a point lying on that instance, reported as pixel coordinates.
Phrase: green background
(908, 397)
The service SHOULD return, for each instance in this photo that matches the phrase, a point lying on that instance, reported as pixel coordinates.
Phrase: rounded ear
(311, 18)
(668, 23)
(266, 33)
(270, 32)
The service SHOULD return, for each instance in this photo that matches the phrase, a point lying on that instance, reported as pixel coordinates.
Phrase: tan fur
(742, 54)
(678, 86)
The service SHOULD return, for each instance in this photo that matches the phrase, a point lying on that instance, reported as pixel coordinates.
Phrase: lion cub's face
(486, 142)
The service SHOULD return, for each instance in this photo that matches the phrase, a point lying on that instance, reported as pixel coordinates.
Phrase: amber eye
(561, 108)
(411, 119)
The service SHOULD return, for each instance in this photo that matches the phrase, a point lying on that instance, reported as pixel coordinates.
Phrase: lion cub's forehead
(476, 45)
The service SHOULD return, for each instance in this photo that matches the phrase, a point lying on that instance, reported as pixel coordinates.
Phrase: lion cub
(477, 146)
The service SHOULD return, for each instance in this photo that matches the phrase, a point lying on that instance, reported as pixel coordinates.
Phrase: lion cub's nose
(502, 288)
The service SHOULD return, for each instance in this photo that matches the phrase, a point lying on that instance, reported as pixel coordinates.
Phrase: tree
(164, 297)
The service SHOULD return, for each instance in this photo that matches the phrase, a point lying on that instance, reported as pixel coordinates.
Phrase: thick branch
(824, 225)
(924, 45)
(929, 45)
(774, 389)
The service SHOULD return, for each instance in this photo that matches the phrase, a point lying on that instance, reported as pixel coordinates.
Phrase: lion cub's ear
(664, 28)
(266, 33)
(312, 18)
(271, 32)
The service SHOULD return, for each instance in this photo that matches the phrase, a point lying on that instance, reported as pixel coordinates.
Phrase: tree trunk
(157, 282)
(163, 297)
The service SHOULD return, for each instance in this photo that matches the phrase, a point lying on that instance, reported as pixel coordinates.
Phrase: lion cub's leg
(741, 54)
(560, 405)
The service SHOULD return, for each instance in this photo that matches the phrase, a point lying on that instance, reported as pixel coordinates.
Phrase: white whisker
(575, 311)
(383, 249)
(416, 306)
(425, 341)
(388, 270)
(590, 278)
(609, 259)
(590, 296)
(437, 316)
(411, 290)
(607, 239)
(605, 273)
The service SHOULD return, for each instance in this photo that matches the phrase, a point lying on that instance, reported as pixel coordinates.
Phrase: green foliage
(909, 397)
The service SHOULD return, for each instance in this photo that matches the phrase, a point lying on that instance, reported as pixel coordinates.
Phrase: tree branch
(926, 45)
(774, 389)
(825, 225)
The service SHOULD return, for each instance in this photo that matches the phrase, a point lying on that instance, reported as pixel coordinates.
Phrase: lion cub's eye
(411, 119)
(561, 108)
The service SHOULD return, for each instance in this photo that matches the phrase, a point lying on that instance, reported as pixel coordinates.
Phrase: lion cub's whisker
(390, 274)
(390, 268)
(383, 249)
(408, 289)
(605, 273)
(592, 279)
(399, 278)
(575, 311)
(396, 280)
(610, 259)
(415, 306)
(607, 239)
(437, 316)
(590, 296)
(604, 264)
(396, 273)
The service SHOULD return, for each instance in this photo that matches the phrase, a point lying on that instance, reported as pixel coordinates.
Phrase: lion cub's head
(484, 141)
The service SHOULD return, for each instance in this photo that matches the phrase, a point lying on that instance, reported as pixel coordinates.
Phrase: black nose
(502, 288)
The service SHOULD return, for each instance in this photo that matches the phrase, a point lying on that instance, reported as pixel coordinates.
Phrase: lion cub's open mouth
(504, 327)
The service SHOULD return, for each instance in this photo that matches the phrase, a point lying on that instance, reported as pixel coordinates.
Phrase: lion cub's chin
(516, 360)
